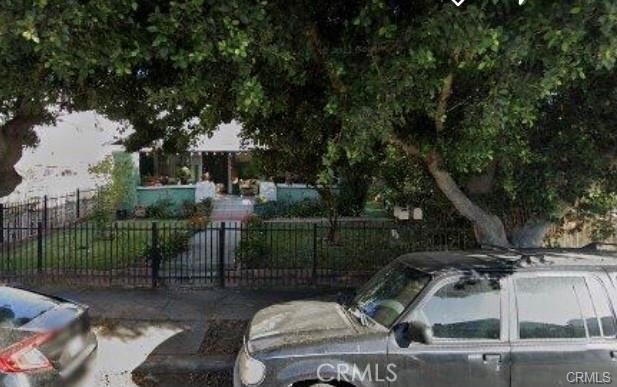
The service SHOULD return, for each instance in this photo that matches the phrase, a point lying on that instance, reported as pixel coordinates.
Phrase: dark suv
(486, 318)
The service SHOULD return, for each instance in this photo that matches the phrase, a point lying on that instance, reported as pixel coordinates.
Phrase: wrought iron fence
(170, 253)
(19, 220)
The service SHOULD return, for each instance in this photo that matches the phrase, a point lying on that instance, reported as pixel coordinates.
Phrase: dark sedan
(43, 339)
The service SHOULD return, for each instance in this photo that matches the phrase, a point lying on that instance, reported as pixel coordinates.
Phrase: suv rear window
(18, 307)
(563, 308)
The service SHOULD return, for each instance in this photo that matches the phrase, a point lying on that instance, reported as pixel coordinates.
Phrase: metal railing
(19, 220)
(175, 252)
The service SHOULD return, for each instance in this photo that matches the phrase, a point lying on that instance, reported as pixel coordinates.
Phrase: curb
(180, 364)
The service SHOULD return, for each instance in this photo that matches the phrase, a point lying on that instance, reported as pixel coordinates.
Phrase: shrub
(204, 207)
(267, 210)
(184, 175)
(170, 245)
(116, 194)
(201, 210)
(161, 209)
(253, 251)
(101, 214)
(188, 209)
(306, 208)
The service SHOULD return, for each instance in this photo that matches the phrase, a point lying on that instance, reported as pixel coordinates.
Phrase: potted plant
(184, 175)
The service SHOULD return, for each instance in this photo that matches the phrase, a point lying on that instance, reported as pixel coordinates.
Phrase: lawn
(84, 247)
(361, 245)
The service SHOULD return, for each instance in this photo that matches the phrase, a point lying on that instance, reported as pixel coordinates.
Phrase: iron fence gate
(172, 253)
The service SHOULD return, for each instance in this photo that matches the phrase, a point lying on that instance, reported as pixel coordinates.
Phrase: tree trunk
(531, 235)
(329, 199)
(14, 136)
(488, 228)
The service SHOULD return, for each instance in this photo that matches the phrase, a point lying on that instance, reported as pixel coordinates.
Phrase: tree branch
(409, 149)
(335, 80)
(489, 229)
(442, 103)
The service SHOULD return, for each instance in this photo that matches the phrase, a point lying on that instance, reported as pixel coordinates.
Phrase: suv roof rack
(525, 257)
(503, 249)
(600, 246)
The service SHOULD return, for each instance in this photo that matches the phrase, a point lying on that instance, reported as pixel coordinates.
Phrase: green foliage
(254, 251)
(171, 245)
(363, 246)
(184, 175)
(598, 210)
(102, 214)
(118, 177)
(353, 187)
(161, 209)
(307, 208)
(201, 209)
(533, 87)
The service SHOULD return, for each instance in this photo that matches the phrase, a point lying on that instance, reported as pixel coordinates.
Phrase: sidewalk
(187, 311)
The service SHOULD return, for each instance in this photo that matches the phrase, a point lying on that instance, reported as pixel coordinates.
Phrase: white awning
(226, 138)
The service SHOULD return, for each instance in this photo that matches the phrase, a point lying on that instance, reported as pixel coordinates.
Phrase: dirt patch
(223, 337)
(217, 379)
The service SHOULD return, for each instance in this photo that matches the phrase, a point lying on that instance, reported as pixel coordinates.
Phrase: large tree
(510, 109)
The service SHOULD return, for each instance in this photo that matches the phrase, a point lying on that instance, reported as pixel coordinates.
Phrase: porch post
(229, 170)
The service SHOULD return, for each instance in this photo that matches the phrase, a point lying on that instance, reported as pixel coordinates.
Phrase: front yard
(359, 246)
(84, 246)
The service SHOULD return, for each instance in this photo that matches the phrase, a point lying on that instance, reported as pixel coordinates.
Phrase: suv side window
(465, 309)
(559, 308)
(604, 315)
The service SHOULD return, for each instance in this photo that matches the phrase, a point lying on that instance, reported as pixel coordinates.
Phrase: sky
(59, 164)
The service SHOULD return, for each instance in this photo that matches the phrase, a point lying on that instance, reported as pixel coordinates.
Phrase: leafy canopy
(528, 92)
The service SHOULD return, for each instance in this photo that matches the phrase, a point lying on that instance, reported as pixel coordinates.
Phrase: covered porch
(222, 158)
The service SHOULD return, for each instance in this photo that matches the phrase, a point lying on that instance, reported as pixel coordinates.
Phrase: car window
(18, 307)
(603, 312)
(553, 307)
(466, 309)
(386, 296)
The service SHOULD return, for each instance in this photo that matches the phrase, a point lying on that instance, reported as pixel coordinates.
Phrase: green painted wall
(147, 196)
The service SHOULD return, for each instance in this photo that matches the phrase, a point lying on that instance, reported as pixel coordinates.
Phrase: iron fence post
(77, 204)
(45, 212)
(39, 248)
(156, 256)
(314, 273)
(222, 255)
(1, 223)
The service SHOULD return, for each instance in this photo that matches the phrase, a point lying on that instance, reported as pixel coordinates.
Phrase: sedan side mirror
(407, 332)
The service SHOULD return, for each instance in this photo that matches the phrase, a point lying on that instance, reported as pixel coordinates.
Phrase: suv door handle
(613, 355)
(491, 358)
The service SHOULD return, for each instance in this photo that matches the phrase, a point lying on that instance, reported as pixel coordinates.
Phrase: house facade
(222, 158)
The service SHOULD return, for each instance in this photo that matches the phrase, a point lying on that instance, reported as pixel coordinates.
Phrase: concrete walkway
(232, 208)
(201, 260)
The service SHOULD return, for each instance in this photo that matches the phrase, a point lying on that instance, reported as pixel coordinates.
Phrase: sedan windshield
(389, 292)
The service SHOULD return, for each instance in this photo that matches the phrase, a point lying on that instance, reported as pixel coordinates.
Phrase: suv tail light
(24, 355)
